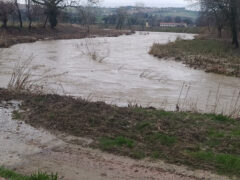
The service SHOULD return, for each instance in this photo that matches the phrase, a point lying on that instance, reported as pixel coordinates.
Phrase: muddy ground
(13, 35)
(177, 138)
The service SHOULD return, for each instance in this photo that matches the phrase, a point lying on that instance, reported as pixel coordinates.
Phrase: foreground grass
(11, 175)
(203, 141)
(208, 54)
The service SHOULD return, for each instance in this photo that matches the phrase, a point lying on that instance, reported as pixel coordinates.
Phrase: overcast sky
(151, 3)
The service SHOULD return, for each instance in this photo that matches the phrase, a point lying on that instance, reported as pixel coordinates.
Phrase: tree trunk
(19, 14)
(45, 23)
(4, 21)
(30, 24)
(235, 37)
(233, 22)
(219, 31)
(29, 14)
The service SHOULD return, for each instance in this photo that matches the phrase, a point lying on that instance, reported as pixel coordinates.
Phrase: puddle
(17, 139)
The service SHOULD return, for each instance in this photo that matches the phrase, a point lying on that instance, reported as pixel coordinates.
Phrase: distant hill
(158, 12)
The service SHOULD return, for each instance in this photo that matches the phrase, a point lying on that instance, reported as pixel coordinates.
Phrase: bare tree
(29, 12)
(88, 14)
(18, 13)
(234, 8)
(52, 9)
(225, 11)
(6, 9)
(121, 17)
(212, 10)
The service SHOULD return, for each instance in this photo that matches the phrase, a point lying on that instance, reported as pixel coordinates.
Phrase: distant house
(147, 25)
(173, 25)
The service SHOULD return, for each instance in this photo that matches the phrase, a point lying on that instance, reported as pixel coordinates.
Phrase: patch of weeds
(162, 113)
(39, 99)
(93, 122)
(51, 115)
(221, 118)
(16, 115)
(213, 143)
(235, 133)
(162, 138)
(216, 134)
(143, 125)
(224, 163)
(109, 143)
(137, 154)
(43, 176)
(11, 175)
(156, 155)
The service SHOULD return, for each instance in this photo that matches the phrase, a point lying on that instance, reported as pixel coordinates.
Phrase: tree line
(123, 18)
(45, 10)
(224, 14)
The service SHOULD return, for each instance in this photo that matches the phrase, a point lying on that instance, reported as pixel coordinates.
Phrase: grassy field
(208, 54)
(11, 175)
(201, 141)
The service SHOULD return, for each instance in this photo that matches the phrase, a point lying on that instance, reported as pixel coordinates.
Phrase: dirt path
(26, 149)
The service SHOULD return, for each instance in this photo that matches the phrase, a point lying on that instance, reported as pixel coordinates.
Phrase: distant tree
(6, 9)
(188, 21)
(111, 19)
(153, 20)
(16, 3)
(121, 18)
(225, 11)
(88, 13)
(178, 19)
(214, 11)
(168, 19)
(31, 10)
(52, 9)
(205, 20)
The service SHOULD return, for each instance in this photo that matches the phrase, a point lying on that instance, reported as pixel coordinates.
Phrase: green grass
(162, 138)
(108, 143)
(216, 134)
(143, 125)
(11, 175)
(16, 115)
(224, 163)
(235, 133)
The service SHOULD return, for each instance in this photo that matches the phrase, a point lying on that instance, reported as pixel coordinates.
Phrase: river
(123, 73)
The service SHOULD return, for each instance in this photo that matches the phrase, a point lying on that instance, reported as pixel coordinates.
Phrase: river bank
(200, 141)
(28, 150)
(211, 55)
(12, 35)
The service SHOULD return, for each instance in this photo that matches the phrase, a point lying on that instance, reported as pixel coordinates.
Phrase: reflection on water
(127, 75)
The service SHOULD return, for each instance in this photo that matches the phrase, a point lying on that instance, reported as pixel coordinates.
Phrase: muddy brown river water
(124, 73)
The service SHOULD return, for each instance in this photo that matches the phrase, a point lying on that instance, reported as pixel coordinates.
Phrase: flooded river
(119, 70)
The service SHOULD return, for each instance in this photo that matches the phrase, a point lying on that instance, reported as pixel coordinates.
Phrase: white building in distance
(173, 25)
